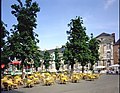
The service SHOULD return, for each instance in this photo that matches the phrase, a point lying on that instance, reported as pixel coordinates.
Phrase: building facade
(116, 53)
(106, 49)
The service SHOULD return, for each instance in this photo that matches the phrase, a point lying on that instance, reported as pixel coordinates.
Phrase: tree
(46, 59)
(68, 57)
(57, 59)
(37, 58)
(82, 50)
(23, 42)
(14, 47)
(77, 47)
(4, 34)
(94, 54)
(23, 38)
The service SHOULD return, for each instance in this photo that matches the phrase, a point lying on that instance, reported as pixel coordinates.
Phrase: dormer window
(101, 39)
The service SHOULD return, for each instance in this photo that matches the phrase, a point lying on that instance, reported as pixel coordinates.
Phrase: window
(108, 55)
(108, 46)
(101, 39)
(109, 62)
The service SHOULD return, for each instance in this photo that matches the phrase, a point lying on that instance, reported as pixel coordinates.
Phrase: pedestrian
(99, 71)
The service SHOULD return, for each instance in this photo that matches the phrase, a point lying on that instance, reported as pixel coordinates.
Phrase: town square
(105, 84)
(60, 46)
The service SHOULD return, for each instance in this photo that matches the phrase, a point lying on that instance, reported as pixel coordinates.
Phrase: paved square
(105, 84)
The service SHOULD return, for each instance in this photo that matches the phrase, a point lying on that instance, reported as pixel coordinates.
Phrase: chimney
(113, 35)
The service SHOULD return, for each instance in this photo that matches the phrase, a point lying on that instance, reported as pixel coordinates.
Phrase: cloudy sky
(98, 16)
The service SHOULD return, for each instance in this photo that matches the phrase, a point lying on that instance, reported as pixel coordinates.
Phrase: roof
(52, 50)
(103, 34)
(59, 49)
(118, 42)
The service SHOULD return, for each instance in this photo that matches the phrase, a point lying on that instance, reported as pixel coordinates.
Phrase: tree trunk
(91, 68)
(82, 69)
(72, 69)
(36, 69)
(23, 71)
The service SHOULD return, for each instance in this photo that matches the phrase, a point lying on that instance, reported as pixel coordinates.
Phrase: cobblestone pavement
(105, 84)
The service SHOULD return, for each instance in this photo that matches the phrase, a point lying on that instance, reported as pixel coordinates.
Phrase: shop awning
(2, 65)
(16, 62)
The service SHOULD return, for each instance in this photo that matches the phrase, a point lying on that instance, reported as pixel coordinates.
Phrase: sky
(52, 21)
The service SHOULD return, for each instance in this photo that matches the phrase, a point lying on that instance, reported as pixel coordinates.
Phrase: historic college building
(106, 49)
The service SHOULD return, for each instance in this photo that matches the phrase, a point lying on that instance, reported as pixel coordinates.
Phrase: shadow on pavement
(11, 91)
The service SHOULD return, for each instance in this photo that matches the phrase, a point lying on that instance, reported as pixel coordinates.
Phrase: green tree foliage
(77, 47)
(22, 42)
(14, 47)
(4, 34)
(68, 57)
(26, 16)
(57, 59)
(46, 59)
(37, 56)
(94, 54)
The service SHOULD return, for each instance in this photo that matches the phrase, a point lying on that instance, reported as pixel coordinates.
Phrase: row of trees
(47, 57)
(79, 47)
(22, 41)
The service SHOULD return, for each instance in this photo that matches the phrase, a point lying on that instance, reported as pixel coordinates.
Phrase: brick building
(116, 52)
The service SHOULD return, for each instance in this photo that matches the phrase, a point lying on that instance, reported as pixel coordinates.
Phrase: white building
(106, 49)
